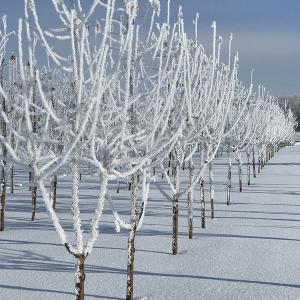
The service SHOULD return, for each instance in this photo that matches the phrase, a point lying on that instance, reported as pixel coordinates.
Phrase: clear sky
(266, 34)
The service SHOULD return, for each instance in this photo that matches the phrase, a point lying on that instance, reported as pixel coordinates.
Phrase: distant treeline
(294, 103)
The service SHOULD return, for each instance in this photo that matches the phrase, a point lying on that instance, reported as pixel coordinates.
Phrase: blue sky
(266, 34)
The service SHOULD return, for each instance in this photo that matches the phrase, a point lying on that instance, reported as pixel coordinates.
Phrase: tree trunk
(80, 278)
(169, 164)
(248, 168)
(118, 186)
(12, 180)
(33, 204)
(131, 239)
(29, 179)
(175, 211)
(240, 175)
(202, 199)
(175, 225)
(212, 190)
(3, 199)
(191, 199)
(54, 192)
(4, 154)
(259, 164)
(253, 163)
(229, 181)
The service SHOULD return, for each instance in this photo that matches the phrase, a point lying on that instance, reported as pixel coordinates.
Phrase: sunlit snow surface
(251, 251)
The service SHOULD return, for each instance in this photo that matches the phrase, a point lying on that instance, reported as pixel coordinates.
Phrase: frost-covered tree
(84, 66)
(7, 73)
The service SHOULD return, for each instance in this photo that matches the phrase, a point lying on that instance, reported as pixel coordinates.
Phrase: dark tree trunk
(175, 210)
(212, 190)
(240, 175)
(169, 164)
(229, 181)
(118, 186)
(54, 192)
(33, 204)
(190, 199)
(248, 168)
(202, 199)
(3, 199)
(253, 163)
(4, 153)
(131, 239)
(30, 179)
(80, 278)
(175, 225)
(12, 180)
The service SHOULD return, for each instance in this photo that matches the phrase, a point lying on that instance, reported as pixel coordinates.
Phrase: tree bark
(33, 203)
(212, 190)
(175, 225)
(175, 210)
(118, 186)
(248, 168)
(131, 239)
(80, 278)
(240, 175)
(202, 199)
(54, 192)
(4, 153)
(3, 199)
(12, 179)
(169, 163)
(229, 180)
(253, 163)
(29, 179)
(190, 199)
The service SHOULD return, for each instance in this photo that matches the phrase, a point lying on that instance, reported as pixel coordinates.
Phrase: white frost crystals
(155, 4)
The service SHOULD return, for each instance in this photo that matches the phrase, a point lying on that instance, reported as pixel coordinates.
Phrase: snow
(249, 252)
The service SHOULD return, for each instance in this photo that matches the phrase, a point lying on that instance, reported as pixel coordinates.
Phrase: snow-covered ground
(250, 251)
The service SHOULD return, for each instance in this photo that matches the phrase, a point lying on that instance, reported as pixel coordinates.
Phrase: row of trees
(292, 102)
(125, 102)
